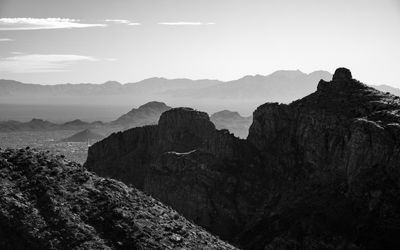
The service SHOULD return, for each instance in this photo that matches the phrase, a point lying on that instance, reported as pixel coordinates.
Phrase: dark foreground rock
(47, 202)
(320, 173)
(185, 162)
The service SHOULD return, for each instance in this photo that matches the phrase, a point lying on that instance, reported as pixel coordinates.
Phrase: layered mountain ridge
(146, 114)
(232, 121)
(319, 173)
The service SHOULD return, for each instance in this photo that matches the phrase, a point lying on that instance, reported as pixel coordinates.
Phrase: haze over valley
(199, 124)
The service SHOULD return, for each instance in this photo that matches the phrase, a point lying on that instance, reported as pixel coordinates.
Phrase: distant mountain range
(42, 125)
(146, 114)
(242, 95)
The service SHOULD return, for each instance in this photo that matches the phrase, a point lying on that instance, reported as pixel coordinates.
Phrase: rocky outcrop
(182, 162)
(319, 173)
(232, 121)
(336, 153)
(47, 202)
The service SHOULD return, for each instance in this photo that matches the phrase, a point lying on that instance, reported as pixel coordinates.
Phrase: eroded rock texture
(319, 173)
(187, 163)
(47, 202)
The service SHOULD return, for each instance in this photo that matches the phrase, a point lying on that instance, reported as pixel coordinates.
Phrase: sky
(76, 41)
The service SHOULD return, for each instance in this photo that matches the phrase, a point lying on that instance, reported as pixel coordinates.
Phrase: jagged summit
(342, 81)
(352, 98)
(184, 128)
(177, 116)
(342, 74)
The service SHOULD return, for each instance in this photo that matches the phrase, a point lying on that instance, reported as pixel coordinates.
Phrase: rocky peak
(342, 82)
(187, 118)
(319, 173)
(347, 96)
(342, 74)
(184, 128)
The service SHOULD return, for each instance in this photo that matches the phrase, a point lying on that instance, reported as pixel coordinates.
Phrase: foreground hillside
(47, 202)
(320, 173)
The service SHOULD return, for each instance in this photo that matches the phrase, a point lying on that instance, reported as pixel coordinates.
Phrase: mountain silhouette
(146, 114)
(318, 173)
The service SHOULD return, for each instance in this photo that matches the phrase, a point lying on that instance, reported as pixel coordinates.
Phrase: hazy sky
(58, 41)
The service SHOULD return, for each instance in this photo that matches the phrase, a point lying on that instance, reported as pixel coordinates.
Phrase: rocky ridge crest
(319, 173)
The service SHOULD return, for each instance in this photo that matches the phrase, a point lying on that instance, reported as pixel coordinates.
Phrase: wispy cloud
(23, 23)
(38, 63)
(122, 21)
(185, 23)
(6, 39)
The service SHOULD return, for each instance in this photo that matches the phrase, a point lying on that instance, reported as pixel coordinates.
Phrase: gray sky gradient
(50, 42)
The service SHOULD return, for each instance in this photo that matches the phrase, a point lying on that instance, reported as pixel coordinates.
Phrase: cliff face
(47, 202)
(185, 162)
(319, 173)
(336, 153)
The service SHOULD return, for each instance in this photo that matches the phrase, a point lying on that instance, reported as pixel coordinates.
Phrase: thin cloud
(6, 39)
(23, 23)
(121, 21)
(185, 23)
(39, 63)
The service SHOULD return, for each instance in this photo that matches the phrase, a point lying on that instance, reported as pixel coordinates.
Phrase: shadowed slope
(319, 173)
(47, 202)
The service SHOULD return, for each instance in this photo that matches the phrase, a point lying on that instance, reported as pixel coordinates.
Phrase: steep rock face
(319, 173)
(185, 162)
(47, 202)
(336, 153)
